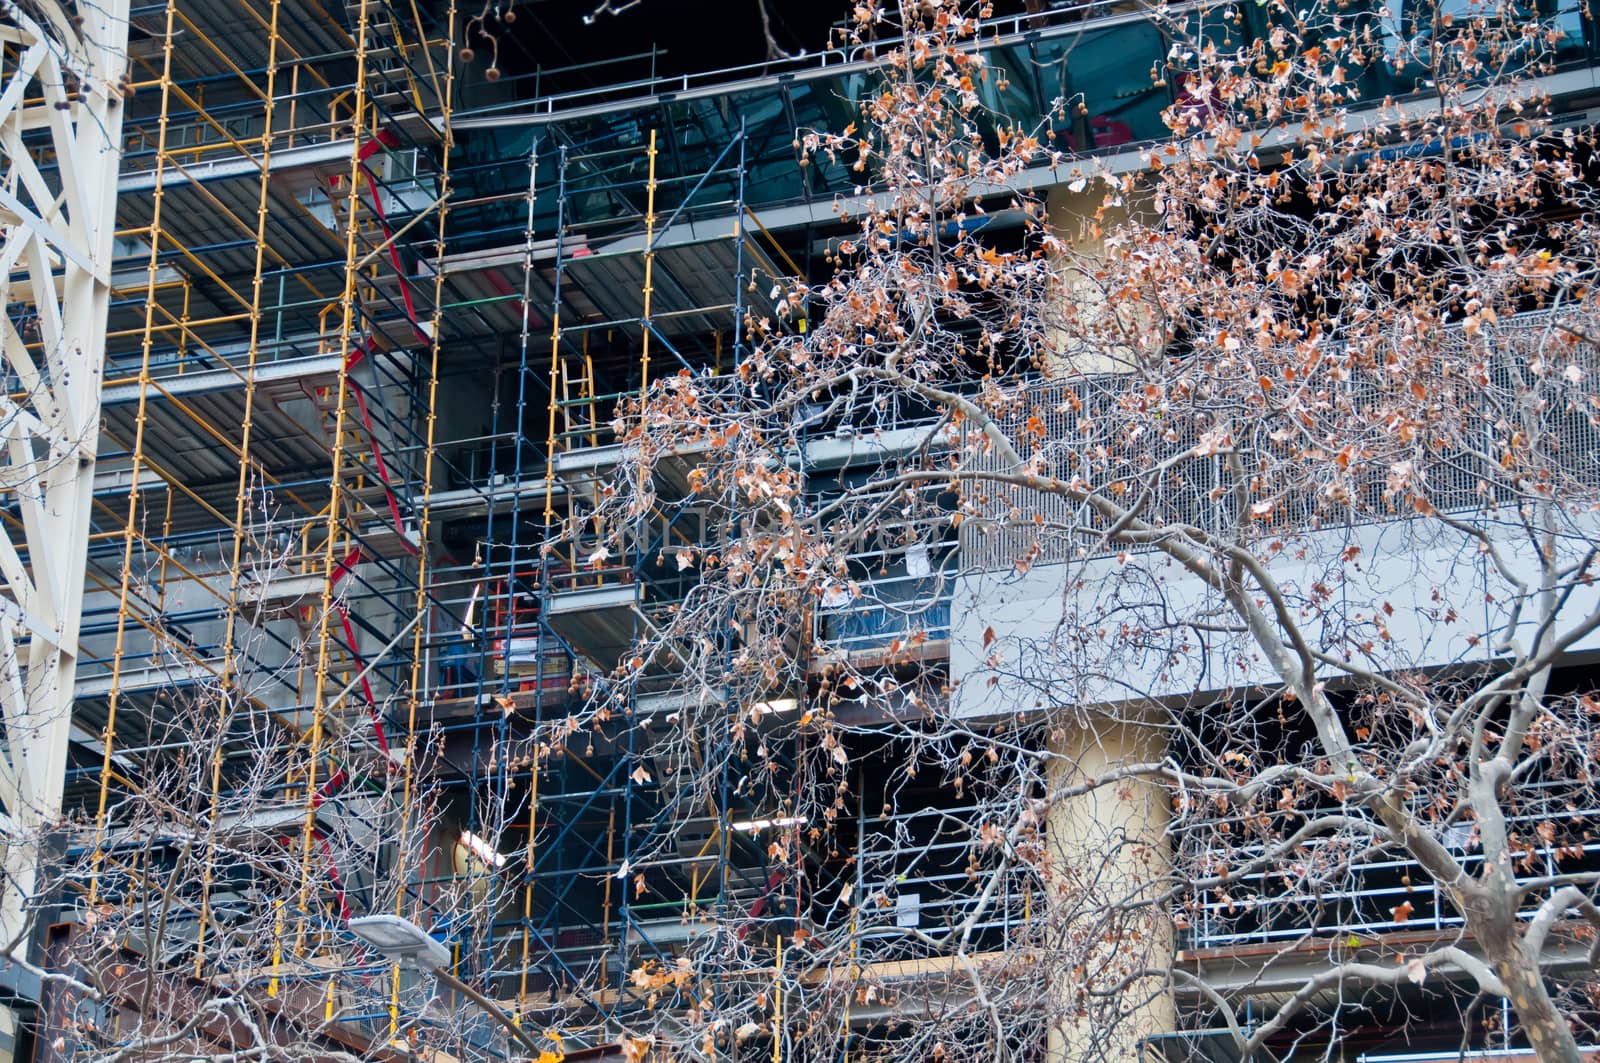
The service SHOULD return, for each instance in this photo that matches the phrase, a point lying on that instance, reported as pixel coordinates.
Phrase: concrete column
(1101, 330)
(1108, 849)
(9, 1031)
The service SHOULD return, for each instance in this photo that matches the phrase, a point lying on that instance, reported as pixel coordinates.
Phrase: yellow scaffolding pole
(108, 736)
(225, 699)
(649, 267)
(330, 556)
(418, 679)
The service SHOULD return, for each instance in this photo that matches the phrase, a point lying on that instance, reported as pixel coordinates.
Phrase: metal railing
(1084, 411)
(1340, 897)
(1064, 19)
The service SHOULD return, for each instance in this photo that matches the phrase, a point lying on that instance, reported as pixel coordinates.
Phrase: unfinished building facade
(427, 396)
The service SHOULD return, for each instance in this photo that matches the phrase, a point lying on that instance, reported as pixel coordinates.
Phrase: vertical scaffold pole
(538, 666)
(738, 256)
(625, 917)
(332, 531)
(419, 680)
(555, 361)
(228, 699)
(550, 532)
(649, 266)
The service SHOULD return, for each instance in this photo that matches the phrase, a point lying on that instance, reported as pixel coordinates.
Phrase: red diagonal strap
(383, 469)
(366, 687)
(329, 788)
(334, 878)
(387, 139)
(346, 565)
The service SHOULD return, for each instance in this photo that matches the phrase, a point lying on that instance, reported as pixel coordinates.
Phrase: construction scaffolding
(620, 304)
(343, 584)
(342, 536)
(256, 555)
(606, 864)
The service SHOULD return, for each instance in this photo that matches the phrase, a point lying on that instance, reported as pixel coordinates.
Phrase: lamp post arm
(494, 1009)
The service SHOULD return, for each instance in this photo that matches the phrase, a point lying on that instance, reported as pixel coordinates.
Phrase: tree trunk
(1547, 1031)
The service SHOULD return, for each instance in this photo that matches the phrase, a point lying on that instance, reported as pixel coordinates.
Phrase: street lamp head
(401, 939)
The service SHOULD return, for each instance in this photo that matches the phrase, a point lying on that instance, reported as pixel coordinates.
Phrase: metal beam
(60, 219)
(317, 368)
(233, 167)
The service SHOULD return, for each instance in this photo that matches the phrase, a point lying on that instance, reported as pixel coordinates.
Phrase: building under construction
(319, 323)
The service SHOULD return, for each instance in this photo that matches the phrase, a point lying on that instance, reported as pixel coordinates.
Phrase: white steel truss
(61, 92)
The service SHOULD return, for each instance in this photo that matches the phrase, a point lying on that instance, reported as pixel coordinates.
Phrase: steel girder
(61, 100)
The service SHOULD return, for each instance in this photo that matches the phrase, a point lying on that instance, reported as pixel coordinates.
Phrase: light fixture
(401, 939)
(776, 706)
(466, 620)
(482, 850)
(753, 825)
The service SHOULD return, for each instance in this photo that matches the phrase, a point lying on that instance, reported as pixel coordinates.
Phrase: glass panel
(1408, 28)
(1092, 86)
(1106, 77)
